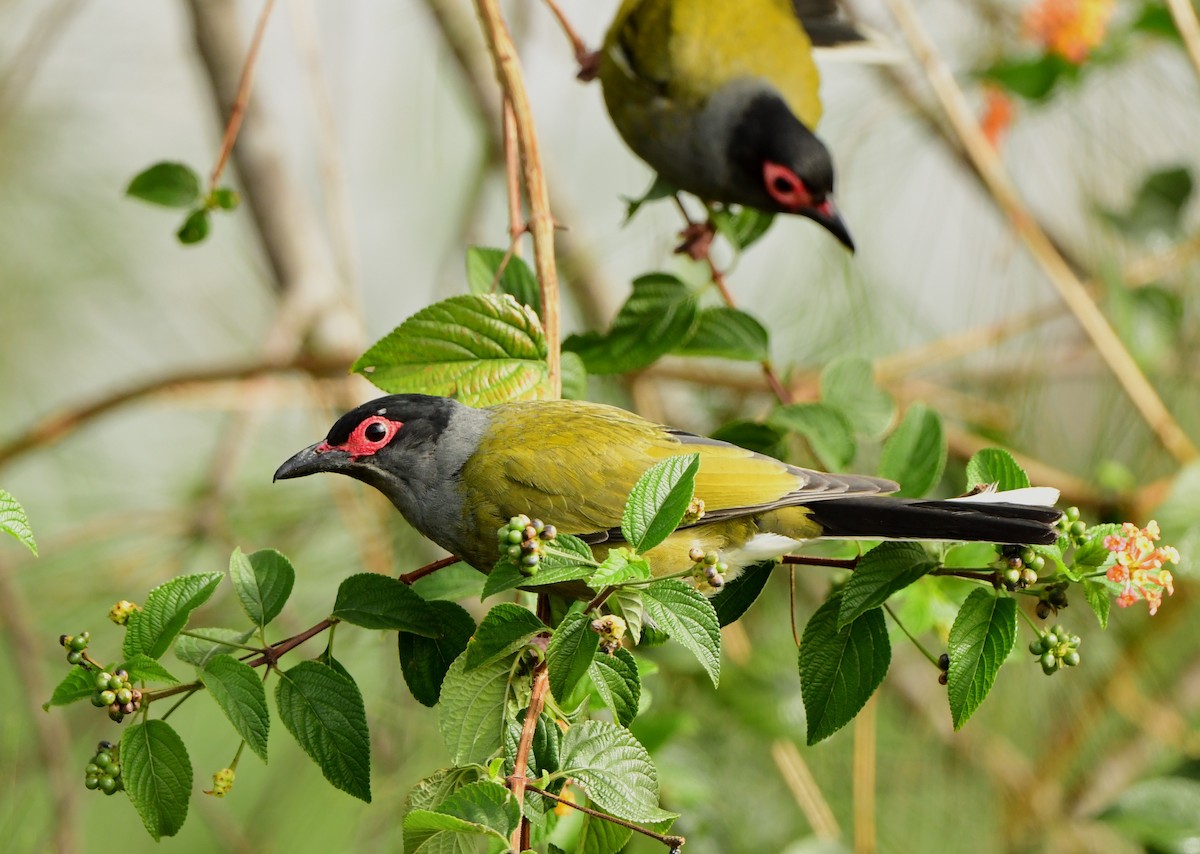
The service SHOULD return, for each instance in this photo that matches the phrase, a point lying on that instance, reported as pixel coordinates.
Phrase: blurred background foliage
(368, 163)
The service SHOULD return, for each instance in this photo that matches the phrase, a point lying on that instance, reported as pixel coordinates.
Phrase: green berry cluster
(521, 540)
(1056, 648)
(611, 629)
(1018, 567)
(708, 568)
(115, 691)
(1071, 526)
(103, 771)
(75, 645)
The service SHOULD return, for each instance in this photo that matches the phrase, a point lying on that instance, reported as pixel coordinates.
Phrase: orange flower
(1139, 567)
(1069, 28)
(997, 114)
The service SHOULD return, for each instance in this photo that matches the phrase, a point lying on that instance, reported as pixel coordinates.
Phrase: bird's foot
(697, 240)
(589, 65)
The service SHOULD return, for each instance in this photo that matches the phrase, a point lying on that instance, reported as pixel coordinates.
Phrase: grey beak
(309, 461)
(827, 215)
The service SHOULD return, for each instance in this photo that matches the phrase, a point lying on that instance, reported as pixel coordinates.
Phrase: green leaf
(570, 653)
(614, 769)
(195, 228)
(168, 606)
(970, 555)
(658, 501)
(479, 348)
(743, 228)
(914, 455)
(574, 376)
(881, 572)
(619, 567)
(323, 710)
(78, 684)
(598, 836)
(239, 691)
(263, 582)
(753, 436)
(224, 198)
(628, 604)
(471, 710)
(1157, 206)
(840, 668)
(143, 668)
(505, 629)
(826, 429)
(171, 185)
(432, 790)
(848, 384)
(981, 638)
(617, 682)
(657, 318)
(215, 641)
(14, 522)
(544, 751)
(425, 661)
(1099, 599)
(1155, 19)
(1032, 79)
(738, 595)
(376, 601)
(1162, 814)
(483, 808)
(727, 333)
(658, 189)
(689, 618)
(157, 775)
(489, 273)
(995, 467)
(565, 558)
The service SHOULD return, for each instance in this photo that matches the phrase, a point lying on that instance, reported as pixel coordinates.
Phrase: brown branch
(672, 842)
(428, 569)
(1184, 16)
(278, 650)
(517, 782)
(540, 223)
(578, 46)
(1069, 286)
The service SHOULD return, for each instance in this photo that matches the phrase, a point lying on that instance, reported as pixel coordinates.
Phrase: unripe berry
(103, 759)
(107, 698)
(79, 642)
(514, 537)
(1012, 577)
(97, 701)
(101, 680)
(696, 554)
(1037, 646)
(1071, 659)
(711, 558)
(74, 658)
(1049, 663)
(1078, 529)
(108, 784)
(116, 683)
(1072, 514)
(125, 695)
(92, 770)
(92, 783)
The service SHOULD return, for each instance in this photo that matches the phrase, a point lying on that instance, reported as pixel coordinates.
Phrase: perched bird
(721, 98)
(458, 473)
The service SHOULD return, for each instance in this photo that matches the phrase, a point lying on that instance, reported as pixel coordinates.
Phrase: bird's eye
(785, 187)
(375, 432)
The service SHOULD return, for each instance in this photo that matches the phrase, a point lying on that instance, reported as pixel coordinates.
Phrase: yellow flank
(694, 47)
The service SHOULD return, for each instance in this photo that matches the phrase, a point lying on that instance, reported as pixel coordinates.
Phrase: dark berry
(944, 661)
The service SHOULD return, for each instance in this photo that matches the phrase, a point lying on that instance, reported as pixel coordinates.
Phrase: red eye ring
(785, 187)
(370, 435)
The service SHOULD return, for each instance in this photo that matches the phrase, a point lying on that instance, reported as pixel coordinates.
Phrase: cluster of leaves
(176, 185)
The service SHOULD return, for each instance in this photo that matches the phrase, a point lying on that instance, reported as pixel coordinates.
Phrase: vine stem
(518, 781)
(672, 842)
(1070, 288)
(428, 569)
(540, 223)
(272, 655)
(910, 635)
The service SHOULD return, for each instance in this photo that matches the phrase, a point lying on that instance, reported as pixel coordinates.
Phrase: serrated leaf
(614, 769)
(970, 555)
(479, 348)
(848, 385)
(618, 684)
(14, 522)
(726, 333)
(157, 775)
(744, 227)
(738, 595)
(152, 629)
(914, 455)
(263, 582)
(471, 710)
(78, 684)
(1099, 599)
(598, 836)
(570, 653)
(840, 668)
(565, 558)
(483, 808)
(239, 691)
(658, 501)
(172, 185)
(143, 668)
(657, 317)
(505, 629)
(489, 273)
(323, 710)
(981, 638)
(826, 429)
(199, 651)
(618, 567)
(994, 466)
(1093, 554)
(376, 601)
(574, 376)
(629, 605)
(689, 618)
(881, 572)
(438, 786)
(544, 750)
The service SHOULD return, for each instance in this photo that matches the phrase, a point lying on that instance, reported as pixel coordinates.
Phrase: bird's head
(788, 167)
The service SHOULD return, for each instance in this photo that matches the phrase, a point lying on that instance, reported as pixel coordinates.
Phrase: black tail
(910, 519)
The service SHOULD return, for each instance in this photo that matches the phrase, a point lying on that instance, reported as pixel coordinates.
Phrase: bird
(459, 473)
(721, 99)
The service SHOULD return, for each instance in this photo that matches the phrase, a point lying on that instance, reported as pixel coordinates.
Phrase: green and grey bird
(721, 99)
(459, 473)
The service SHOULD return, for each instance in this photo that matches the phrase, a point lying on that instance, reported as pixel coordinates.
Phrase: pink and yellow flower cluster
(1069, 28)
(1140, 566)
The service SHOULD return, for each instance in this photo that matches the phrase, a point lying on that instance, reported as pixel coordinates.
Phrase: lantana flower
(1141, 565)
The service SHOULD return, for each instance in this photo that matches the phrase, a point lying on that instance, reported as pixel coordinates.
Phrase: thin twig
(428, 569)
(518, 780)
(512, 179)
(1070, 289)
(804, 789)
(578, 46)
(1184, 15)
(541, 223)
(670, 841)
(277, 650)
